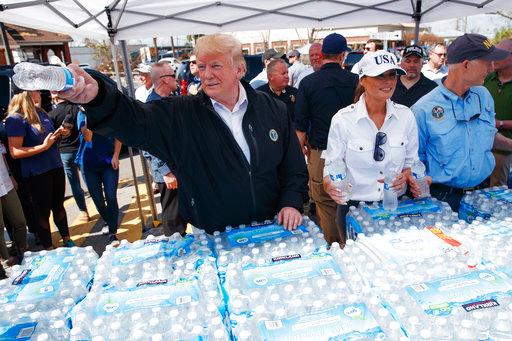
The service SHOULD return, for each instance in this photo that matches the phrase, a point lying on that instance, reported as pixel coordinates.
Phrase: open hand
(289, 217)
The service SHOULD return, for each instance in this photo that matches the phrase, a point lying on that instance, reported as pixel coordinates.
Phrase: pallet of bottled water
(35, 300)
(486, 203)
(373, 218)
(438, 283)
(159, 288)
(286, 285)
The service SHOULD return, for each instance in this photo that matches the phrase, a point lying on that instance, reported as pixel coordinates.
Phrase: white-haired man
(236, 155)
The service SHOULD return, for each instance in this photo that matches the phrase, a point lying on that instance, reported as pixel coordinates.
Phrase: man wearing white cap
(145, 89)
(371, 137)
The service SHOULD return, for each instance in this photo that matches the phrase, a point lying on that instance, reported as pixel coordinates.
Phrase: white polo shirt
(351, 141)
(233, 119)
(434, 75)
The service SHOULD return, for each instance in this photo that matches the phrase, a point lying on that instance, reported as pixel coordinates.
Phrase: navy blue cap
(412, 49)
(334, 43)
(472, 46)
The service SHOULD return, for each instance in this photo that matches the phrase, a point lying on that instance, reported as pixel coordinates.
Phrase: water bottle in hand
(390, 200)
(418, 170)
(338, 175)
(30, 76)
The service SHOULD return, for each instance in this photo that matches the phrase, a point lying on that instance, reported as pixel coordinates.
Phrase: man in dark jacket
(320, 96)
(237, 158)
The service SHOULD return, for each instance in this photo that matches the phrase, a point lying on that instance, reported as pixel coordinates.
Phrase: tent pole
(130, 151)
(5, 42)
(417, 18)
(131, 92)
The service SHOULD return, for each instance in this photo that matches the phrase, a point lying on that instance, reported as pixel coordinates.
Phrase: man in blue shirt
(164, 82)
(456, 123)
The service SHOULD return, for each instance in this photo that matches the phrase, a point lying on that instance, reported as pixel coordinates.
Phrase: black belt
(450, 190)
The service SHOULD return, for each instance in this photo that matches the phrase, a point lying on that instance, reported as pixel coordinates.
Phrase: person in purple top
(32, 138)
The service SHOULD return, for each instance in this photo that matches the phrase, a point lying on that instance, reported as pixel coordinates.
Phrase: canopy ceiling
(135, 19)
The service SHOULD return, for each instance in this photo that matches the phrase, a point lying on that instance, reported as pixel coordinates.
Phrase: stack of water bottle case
(420, 275)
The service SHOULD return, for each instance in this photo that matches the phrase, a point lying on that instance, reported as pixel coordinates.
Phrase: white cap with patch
(143, 68)
(376, 63)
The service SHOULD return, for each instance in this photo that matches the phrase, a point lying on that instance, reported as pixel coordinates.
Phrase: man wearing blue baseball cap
(321, 95)
(456, 123)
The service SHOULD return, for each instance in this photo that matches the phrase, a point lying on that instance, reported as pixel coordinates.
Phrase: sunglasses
(193, 62)
(440, 54)
(380, 139)
(173, 76)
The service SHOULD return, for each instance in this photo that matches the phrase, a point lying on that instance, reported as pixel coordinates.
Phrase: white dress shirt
(5, 180)
(233, 119)
(434, 75)
(141, 93)
(352, 141)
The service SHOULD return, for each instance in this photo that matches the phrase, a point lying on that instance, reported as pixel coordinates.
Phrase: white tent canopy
(135, 19)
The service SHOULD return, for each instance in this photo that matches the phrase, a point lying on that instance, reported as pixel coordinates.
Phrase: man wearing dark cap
(456, 123)
(321, 95)
(266, 58)
(296, 70)
(413, 85)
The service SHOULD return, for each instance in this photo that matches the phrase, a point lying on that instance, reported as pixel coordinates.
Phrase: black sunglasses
(380, 139)
(193, 62)
(173, 76)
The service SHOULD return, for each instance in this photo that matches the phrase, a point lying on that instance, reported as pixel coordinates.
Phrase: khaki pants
(325, 206)
(499, 175)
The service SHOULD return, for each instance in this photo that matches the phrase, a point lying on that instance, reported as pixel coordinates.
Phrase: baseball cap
(334, 43)
(143, 68)
(293, 53)
(375, 63)
(472, 46)
(413, 49)
(271, 53)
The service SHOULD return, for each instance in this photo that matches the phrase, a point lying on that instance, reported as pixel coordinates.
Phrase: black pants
(171, 219)
(451, 195)
(341, 217)
(47, 192)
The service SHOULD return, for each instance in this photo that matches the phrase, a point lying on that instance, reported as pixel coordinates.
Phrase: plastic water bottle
(338, 174)
(30, 76)
(390, 200)
(419, 172)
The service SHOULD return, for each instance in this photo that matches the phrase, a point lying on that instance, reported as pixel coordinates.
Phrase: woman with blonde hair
(32, 138)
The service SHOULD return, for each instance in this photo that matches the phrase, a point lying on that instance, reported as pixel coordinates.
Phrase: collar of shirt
(471, 98)
(331, 65)
(363, 113)
(273, 91)
(242, 101)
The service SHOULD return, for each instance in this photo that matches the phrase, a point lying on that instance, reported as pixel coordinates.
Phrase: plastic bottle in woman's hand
(338, 175)
(30, 76)
(390, 200)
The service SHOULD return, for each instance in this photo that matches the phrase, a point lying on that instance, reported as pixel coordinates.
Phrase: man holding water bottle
(456, 123)
(237, 156)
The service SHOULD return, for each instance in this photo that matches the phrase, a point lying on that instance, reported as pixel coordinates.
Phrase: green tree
(503, 33)
(103, 55)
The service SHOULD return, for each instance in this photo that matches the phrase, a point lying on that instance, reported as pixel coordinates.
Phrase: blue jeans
(71, 170)
(102, 185)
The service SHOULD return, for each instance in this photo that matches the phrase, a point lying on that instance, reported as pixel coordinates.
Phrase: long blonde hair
(23, 105)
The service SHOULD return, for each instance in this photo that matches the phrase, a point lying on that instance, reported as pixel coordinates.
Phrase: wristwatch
(500, 127)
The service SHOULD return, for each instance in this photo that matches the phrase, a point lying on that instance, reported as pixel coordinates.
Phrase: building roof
(23, 36)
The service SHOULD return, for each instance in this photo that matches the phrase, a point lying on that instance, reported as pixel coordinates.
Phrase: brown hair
(23, 105)
(358, 93)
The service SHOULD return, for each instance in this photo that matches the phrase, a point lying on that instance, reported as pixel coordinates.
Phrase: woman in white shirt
(371, 137)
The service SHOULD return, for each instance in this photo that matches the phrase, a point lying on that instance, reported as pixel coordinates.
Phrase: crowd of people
(234, 153)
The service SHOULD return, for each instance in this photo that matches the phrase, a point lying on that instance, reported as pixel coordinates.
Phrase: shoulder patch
(438, 112)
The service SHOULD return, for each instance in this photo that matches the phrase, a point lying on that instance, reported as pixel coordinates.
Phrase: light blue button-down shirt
(456, 135)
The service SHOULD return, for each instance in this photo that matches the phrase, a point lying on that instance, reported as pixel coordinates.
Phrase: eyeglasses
(380, 139)
(367, 48)
(173, 76)
(193, 62)
(440, 54)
